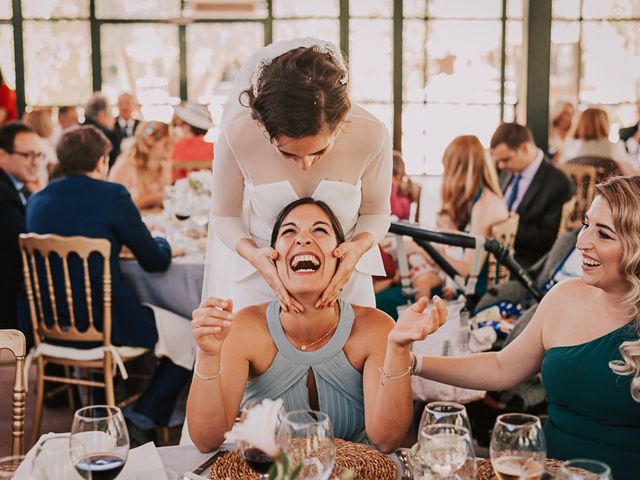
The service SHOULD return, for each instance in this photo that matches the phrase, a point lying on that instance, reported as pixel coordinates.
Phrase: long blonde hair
(593, 124)
(623, 196)
(466, 169)
(40, 120)
(146, 136)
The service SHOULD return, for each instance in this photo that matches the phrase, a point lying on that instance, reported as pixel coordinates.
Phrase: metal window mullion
(343, 19)
(579, 79)
(398, 26)
(503, 58)
(96, 52)
(18, 55)
(182, 48)
(268, 24)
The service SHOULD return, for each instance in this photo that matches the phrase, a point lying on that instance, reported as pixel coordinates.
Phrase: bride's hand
(211, 324)
(414, 324)
(349, 254)
(263, 260)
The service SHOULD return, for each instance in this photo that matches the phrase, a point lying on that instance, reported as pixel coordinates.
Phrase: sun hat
(194, 115)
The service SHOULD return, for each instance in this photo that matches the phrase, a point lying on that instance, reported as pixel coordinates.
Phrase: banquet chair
(584, 178)
(14, 341)
(605, 167)
(505, 233)
(568, 222)
(62, 311)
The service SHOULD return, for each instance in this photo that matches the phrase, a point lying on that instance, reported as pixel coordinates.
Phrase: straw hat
(194, 115)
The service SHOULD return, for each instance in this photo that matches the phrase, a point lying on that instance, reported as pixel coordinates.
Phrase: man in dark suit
(125, 125)
(83, 203)
(20, 156)
(630, 136)
(97, 113)
(532, 187)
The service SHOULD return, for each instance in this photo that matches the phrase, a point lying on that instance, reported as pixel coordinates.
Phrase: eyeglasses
(31, 156)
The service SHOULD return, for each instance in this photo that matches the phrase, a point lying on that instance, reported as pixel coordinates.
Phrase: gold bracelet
(199, 375)
(385, 376)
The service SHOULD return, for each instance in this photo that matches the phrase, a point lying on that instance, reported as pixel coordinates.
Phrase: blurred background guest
(190, 144)
(41, 122)
(561, 120)
(125, 124)
(401, 189)
(591, 139)
(97, 113)
(67, 118)
(19, 158)
(8, 110)
(145, 168)
(631, 138)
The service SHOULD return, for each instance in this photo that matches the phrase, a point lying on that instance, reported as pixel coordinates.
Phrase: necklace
(305, 346)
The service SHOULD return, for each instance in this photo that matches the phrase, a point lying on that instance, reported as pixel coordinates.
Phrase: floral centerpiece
(259, 429)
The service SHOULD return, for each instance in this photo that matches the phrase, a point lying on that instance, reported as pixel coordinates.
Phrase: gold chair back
(566, 221)
(585, 178)
(14, 341)
(63, 247)
(505, 232)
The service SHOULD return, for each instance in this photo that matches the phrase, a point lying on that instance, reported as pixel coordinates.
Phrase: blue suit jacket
(80, 205)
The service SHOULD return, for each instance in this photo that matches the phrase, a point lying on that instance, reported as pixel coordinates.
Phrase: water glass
(584, 469)
(102, 431)
(306, 436)
(446, 452)
(9, 465)
(54, 459)
(518, 448)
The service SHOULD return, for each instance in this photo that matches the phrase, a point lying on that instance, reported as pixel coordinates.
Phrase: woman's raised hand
(414, 324)
(211, 324)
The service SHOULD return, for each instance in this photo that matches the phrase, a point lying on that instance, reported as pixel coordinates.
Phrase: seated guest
(337, 359)
(471, 202)
(20, 156)
(83, 203)
(125, 125)
(191, 144)
(67, 118)
(630, 136)
(584, 340)
(97, 112)
(591, 139)
(532, 187)
(40, 121)
(145, 169)
(561, 121)
(401, 189)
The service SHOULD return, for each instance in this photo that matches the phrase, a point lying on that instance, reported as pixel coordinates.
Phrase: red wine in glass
(259, 461)
(102, 466)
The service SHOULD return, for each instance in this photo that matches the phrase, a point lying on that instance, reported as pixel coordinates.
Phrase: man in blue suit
(83, 203)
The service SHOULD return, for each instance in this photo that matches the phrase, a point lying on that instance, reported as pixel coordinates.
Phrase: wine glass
(54, 459)
(584, 469)
(446, 452)
(102, 431)
(518, 448)
(306, 436)
(451, 413)
(259, 461)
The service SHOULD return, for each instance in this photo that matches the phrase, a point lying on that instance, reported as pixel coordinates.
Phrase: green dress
(591, 411)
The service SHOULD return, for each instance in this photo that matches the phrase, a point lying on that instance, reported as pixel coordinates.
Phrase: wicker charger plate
(484, 470)
(365, 463)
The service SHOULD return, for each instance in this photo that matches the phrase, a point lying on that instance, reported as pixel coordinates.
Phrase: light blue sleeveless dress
(338, 383)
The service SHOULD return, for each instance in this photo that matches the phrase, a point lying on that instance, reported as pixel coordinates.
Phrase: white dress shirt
(526, 176)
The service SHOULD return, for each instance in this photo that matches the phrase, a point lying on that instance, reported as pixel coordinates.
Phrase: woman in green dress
(584, 339)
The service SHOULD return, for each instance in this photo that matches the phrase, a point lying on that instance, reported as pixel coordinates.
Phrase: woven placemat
(485, 471)
(365, 463)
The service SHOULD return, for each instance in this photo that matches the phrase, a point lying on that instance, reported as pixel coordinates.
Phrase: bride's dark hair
(335, 223)
(299, 93)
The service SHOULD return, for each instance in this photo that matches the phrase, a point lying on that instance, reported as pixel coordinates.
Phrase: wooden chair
(39, 254)
(14, 341)
(567, 224)
(585, 178)
(505, 232)
(605, 167)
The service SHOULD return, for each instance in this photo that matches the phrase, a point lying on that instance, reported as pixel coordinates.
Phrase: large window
(595, 56)
(459, 77)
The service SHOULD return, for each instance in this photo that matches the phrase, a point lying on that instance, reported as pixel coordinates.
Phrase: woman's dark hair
(1, 78)
(300, 93)
(335, 223)
(79, 150)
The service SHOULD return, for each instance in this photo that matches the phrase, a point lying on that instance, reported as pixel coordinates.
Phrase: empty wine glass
(306, 436)
(259, 461)
(584, 469)
(102, 431)
(54, 459)
(518, 448)
(446, 452)
(451, 413)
